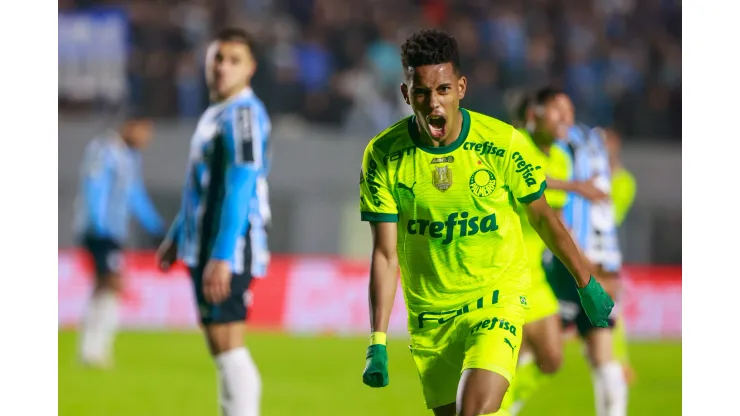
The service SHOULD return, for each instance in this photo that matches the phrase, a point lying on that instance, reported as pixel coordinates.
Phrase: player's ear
(462, 87)
(405, 93)
(252, 68)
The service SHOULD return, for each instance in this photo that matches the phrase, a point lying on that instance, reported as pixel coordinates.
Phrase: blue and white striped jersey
(111, 187)
(593, 225)
(227, 157)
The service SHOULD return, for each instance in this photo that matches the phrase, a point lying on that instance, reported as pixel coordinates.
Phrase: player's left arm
(144, 209)
(243, 152)
(557, 238)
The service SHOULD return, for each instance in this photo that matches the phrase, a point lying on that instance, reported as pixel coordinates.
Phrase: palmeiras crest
(442, 177)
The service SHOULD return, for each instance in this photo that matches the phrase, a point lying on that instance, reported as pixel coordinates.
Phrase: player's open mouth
(436, 126)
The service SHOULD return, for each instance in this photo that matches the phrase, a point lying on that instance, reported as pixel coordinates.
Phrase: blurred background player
(542, 347)
(211, 232)
(624, 189)
(111, 188)
(464, 281)
(624, 185)
(593, 226)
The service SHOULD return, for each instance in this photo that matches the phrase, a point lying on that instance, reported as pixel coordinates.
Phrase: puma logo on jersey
(507, 342)
(404, 186)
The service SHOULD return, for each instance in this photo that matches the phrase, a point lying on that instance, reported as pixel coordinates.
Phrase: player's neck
(543, 142)
(451, 138)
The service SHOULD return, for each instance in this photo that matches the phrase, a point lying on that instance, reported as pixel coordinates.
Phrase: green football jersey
(459, 234)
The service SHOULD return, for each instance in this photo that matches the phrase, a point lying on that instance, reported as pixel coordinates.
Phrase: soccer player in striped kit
(211, 233)
(593, 226)
(111, 189)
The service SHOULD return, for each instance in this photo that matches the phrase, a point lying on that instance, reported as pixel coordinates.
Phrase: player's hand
(166, 255)
(596, 302)
(588, 190)
(376, 366)
(217, 281)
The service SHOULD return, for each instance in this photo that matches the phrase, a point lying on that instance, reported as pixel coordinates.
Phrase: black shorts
(106, 253)
(233, 309)
(564, 286)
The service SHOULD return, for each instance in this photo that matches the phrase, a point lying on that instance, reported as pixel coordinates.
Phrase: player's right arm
(562, 181)
(378, 207)
(383, 274)
(167, 251)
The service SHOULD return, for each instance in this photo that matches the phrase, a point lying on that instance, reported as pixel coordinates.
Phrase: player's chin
(223, 88)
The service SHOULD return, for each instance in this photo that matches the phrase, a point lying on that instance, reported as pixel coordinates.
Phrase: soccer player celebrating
(211, 232)
(437, 189)
(111, 188)
(594, 227)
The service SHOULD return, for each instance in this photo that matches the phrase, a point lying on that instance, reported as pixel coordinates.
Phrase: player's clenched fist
(596, 302)
(376, 362)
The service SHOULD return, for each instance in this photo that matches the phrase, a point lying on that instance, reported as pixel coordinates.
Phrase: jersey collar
(245, 93)
(414, 133)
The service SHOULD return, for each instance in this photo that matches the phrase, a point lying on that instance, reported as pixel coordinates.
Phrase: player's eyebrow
(424, 88)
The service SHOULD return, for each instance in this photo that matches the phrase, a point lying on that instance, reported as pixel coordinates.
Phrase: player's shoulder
(103, 145)
(246, 102)
(392, 139)
(491, 129)
(579, 134)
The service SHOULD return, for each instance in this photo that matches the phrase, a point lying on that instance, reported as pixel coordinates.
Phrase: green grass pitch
(169, 373)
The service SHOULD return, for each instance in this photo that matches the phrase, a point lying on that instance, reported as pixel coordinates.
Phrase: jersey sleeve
(243, 148)
(376, 199)
(525, 180)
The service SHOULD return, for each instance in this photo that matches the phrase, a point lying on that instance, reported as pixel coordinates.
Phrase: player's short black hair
(430, 47)
(520, 113)
(545, 95)
(126, 112)
(135, 113)
(235, 34)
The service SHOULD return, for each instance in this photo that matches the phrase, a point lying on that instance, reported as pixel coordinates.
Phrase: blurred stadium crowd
(336, 62)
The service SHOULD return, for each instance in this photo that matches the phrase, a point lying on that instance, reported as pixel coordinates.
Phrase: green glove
(376, 366)
(596, 302)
